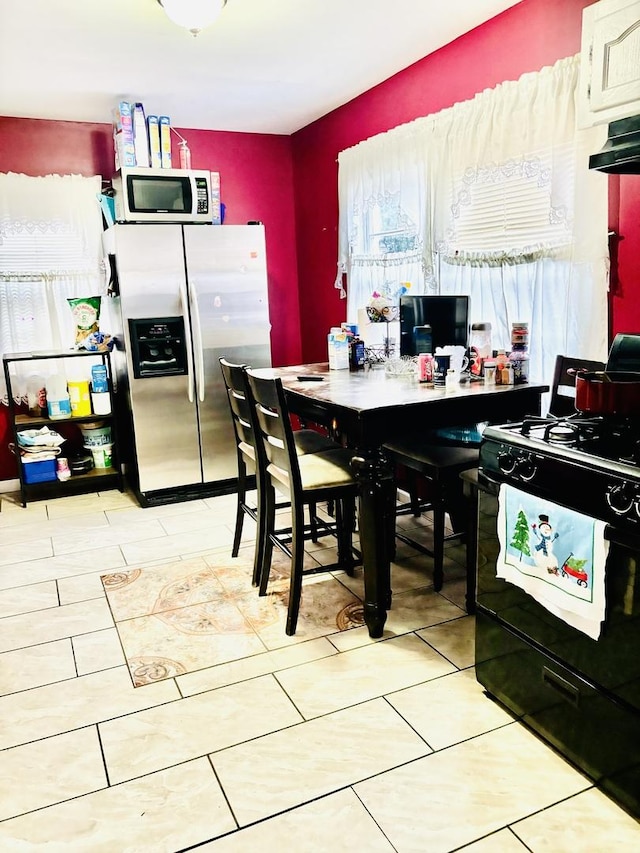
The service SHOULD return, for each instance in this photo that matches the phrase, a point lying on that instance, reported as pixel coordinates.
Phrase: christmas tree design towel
(556, 555)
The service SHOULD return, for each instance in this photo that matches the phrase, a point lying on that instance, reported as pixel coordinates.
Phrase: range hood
(621, 152)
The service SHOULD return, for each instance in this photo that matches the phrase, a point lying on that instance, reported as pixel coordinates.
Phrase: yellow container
(79, 398)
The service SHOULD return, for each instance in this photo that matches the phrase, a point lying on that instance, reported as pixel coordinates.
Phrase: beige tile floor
(327, 741)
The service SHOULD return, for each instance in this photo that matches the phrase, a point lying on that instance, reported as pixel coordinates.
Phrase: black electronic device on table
(447, 317)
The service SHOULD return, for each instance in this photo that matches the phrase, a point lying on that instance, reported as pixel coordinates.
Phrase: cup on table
(459, 360)
(441, 364)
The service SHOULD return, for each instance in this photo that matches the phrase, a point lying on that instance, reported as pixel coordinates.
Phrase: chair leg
(297, 558)
(345, 521)
(438, 539)
(242, 497)
(313, 511)
(261, 531)
(269, 528)
(414, 496)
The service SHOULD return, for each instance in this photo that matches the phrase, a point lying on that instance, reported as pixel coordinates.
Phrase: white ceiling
(265, 66)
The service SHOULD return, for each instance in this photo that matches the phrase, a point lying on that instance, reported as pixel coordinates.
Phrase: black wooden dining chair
(441, 464)
(438, 462)
(306, 480)
(306, 441)
(563, 389)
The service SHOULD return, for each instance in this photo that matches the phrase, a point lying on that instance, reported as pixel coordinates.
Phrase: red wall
(525, 38)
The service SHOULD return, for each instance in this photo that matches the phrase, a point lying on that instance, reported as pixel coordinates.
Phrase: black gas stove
(591, 465)
(580, 694)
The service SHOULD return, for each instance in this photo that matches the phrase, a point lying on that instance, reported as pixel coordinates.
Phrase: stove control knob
(620, 499)
(526, 468)
(507, 461)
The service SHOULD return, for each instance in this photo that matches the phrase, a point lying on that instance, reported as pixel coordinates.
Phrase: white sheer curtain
(507, 212)
(50, 250)
(382, 191)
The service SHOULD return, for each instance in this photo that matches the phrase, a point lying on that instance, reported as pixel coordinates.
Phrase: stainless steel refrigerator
(187, 295)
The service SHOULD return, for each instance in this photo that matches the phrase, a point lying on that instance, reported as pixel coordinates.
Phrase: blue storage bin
(39, 472)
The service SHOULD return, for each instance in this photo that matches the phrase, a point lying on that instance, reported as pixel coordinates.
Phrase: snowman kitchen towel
(556, 555)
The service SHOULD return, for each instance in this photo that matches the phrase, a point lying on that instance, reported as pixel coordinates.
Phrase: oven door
(581, 695)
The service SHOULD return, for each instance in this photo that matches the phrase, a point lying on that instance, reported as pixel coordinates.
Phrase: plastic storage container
(39, 472)
(95, 433)
(101, 455)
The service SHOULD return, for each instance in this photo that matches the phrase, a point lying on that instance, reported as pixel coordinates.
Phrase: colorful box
(153, 128)
(165, 141)
(140, 138)
(123, 140)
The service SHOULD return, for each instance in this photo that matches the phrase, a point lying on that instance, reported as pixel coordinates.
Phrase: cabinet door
(610, 61)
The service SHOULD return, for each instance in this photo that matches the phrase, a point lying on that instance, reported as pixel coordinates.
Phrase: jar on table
(479, 346)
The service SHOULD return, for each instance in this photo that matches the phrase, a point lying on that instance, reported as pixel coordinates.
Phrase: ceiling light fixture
(194, 15)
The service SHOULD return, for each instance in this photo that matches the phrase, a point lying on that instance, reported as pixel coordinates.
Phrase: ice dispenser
(158, 347)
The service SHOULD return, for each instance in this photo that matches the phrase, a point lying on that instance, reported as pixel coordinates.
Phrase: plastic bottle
(58, 403)
(36, 395)
(185, 155)
(501, 362)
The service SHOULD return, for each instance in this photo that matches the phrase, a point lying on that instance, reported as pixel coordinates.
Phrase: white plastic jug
(58, 403)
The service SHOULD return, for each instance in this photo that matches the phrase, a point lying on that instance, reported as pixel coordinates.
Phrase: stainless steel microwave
(162, 195)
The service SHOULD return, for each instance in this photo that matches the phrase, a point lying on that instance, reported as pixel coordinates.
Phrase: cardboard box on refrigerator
(153, 127)
(123, 141)
(140, 138)
(165, 141)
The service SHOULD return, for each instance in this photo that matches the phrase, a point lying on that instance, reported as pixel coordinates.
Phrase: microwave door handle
(197, 340)
(187, 331)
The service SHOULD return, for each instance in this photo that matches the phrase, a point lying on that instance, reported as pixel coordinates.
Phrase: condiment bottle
(501, 361)
(489, 372)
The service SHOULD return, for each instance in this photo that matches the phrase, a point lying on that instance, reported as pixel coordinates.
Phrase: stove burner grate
(570, 431)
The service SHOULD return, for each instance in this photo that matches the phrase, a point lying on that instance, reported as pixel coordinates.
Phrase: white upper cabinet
(610, 62)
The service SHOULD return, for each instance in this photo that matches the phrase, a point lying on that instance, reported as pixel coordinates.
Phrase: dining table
(369, 407)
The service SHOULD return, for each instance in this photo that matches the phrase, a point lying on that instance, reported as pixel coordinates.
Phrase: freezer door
(227, 279)
(151, 272)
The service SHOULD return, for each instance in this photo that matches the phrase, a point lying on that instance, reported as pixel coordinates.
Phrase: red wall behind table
(256, 178)
(525, 38)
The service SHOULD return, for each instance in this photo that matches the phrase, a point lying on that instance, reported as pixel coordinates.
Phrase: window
(50, 250)
(504, 209)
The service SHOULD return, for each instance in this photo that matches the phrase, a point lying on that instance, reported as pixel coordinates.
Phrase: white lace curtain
(493, 198)
(50, 250)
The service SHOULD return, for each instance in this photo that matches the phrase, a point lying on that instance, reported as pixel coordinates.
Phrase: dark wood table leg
(375, 478)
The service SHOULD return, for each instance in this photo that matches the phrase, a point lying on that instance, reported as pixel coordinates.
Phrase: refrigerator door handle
(187, 332)
(197, 341)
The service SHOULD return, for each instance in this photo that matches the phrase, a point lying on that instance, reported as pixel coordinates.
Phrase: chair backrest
(236, 384)
(563, 390)
(272, 424)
